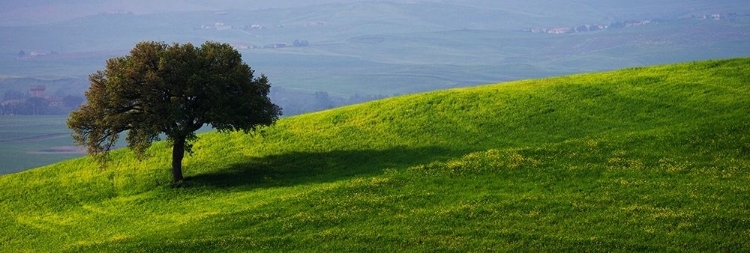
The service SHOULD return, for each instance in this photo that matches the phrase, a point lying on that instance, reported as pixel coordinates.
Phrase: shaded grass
(642, 159)
(309, 168)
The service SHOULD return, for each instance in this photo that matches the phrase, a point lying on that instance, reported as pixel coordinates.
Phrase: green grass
(641, 159)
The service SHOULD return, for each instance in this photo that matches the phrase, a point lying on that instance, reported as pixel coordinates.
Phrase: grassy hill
(641, 159)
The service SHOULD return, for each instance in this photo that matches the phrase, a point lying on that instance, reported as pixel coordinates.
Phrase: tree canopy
(172, 90)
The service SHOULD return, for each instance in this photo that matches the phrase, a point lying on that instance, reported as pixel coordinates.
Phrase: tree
(301, 43)
(172, 90)
(12, 95)
(36, 106)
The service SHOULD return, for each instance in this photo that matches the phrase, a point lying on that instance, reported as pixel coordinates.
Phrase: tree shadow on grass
(303, 168)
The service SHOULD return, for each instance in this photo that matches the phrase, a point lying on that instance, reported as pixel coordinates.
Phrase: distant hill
(48, 11)
(639, 159)
(382, 48)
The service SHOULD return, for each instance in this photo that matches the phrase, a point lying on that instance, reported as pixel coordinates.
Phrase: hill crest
(653, 158)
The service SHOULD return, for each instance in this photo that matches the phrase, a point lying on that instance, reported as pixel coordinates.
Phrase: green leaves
(172, 90)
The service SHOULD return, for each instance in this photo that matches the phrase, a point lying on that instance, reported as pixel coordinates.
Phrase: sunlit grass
(642, 159)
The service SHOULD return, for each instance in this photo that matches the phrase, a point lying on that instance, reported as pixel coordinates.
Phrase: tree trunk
(178, 152)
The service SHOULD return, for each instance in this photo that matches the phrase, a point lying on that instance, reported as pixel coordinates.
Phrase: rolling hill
(639, 159)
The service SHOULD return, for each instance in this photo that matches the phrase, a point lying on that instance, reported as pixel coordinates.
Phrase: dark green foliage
(170, 89)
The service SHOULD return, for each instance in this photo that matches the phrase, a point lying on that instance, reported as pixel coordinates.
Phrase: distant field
(32, 141)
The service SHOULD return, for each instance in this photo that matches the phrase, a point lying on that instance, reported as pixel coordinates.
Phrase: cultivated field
(32, 141)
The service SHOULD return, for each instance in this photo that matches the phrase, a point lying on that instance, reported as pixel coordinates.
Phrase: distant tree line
(17, 103)
(301, 43)
(298, 102)
(294, 102)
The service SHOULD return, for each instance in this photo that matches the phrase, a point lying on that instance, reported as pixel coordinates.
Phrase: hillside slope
(641, 159)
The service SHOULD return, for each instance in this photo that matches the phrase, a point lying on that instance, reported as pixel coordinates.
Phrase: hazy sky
(14, 12)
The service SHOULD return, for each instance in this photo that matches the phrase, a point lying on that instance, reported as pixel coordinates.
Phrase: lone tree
(172, 90)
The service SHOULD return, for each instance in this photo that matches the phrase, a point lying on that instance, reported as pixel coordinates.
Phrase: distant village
(623, 24)
(35, 53)
(37, 102)
(296, 43)
(220, 26)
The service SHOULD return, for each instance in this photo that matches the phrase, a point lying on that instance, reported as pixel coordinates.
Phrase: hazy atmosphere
(375, 126)
(324, 54)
